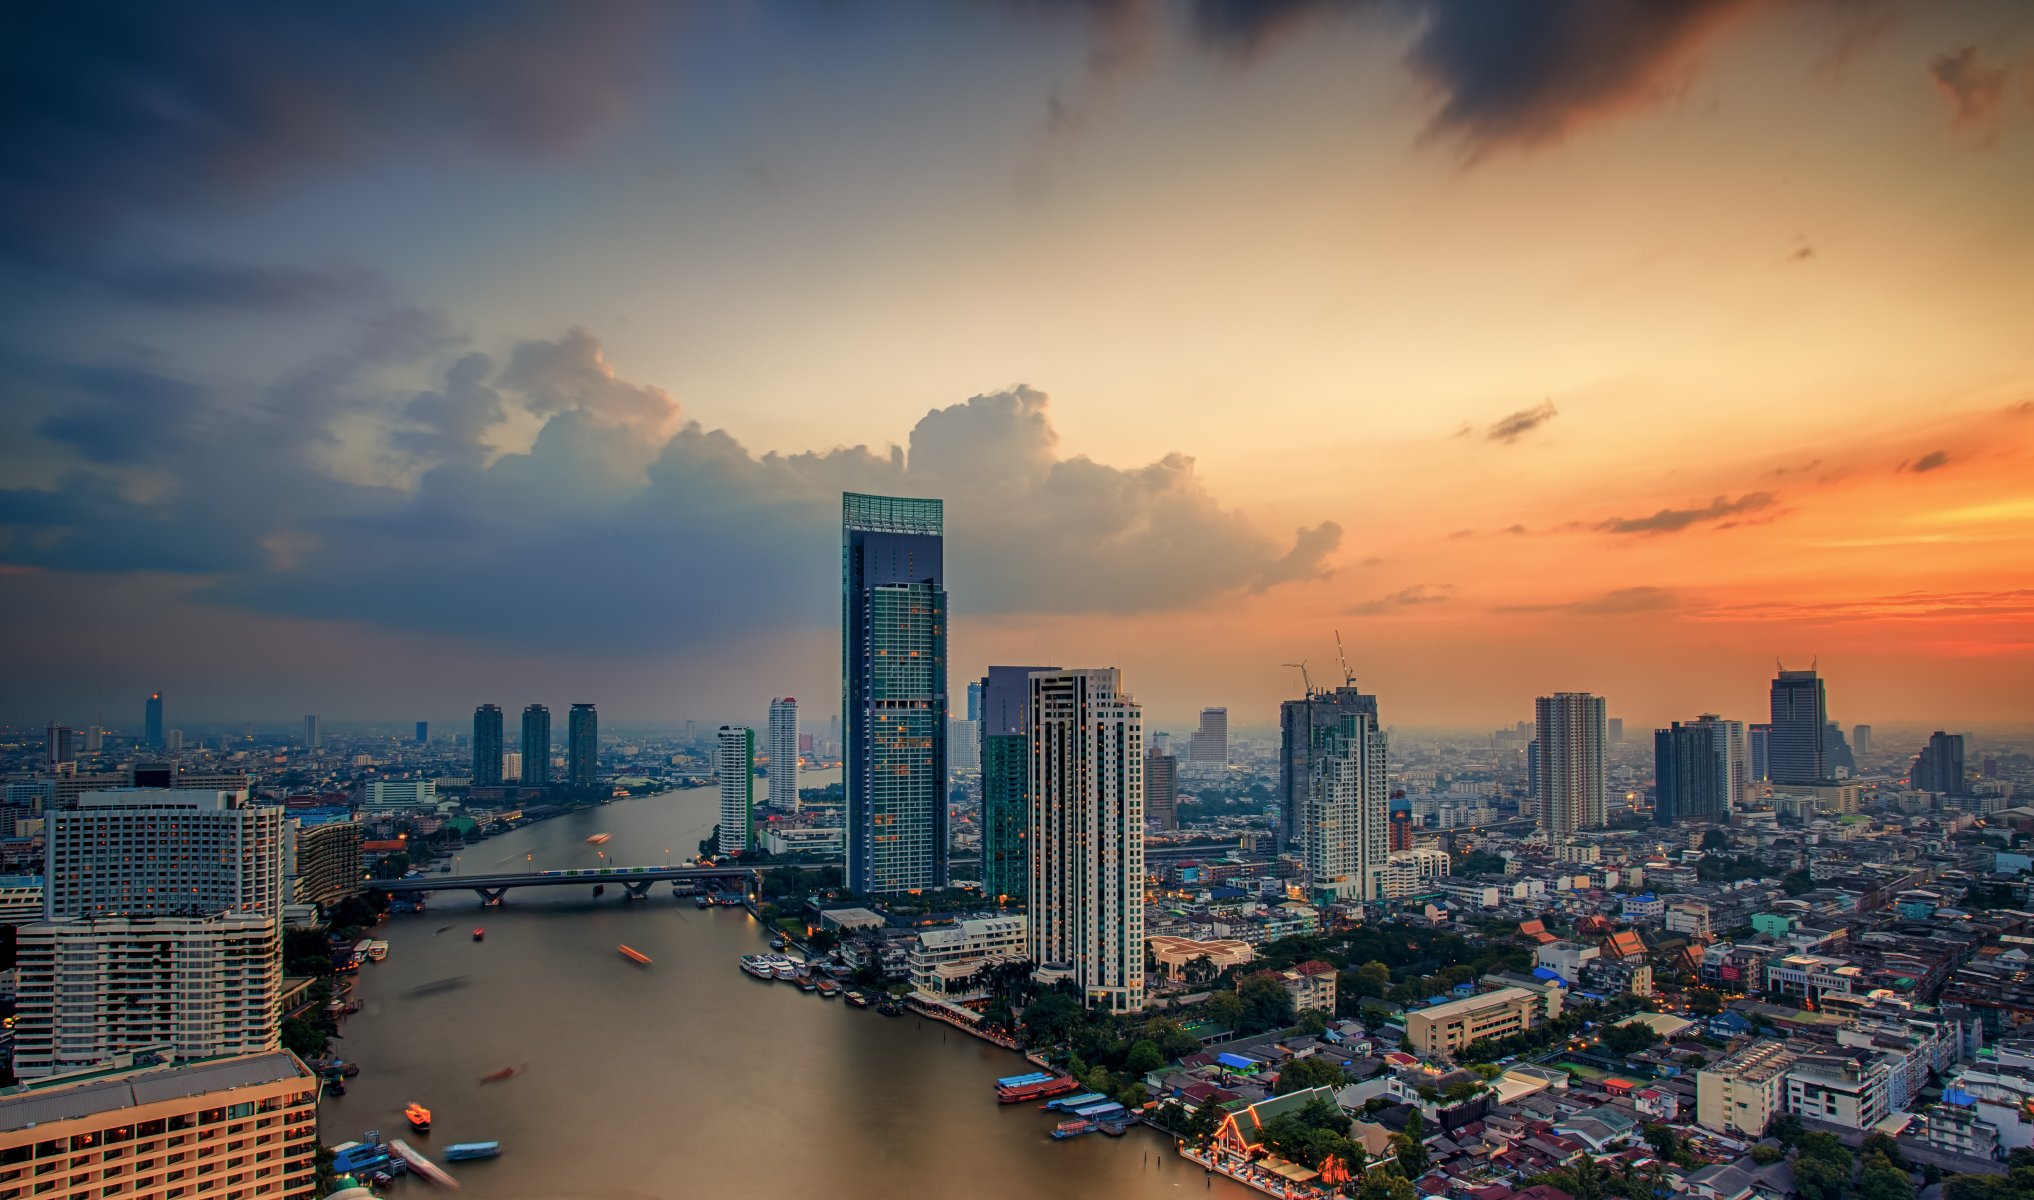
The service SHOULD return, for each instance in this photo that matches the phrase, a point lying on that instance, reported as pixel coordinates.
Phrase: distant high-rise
(1005, 732)
(1398, 830)
(783, 752)
(57, 745)
(151, 722)
(582, 746)
(1348, 804)
(1616, 731)
(1161, 789)
(1760, 740)
(1298, 723)
(975, 701)
(536, 746)
(95, 738)
(1086, 897)
(487, 748)
(314, 731)
(1861, 740)
(423, 733)
(1836, 755)
(1574, 791)
(512, 765)
(1795, 748)
(893, 692)
(1692, 772)
(1939, 767)
(735, 761)
(173, 741)
(1210, 743)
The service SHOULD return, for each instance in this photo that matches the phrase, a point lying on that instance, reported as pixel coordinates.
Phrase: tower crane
(1306, 681)
(1348, 676)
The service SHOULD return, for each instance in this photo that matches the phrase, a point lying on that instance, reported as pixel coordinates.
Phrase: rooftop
(74, 1097)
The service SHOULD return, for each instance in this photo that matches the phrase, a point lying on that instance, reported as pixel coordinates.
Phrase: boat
(1072, 1129)
(1115, 1128)
(703, 901)
(758, 967)
(828, 989)
(858, 999)
(377, 951)
(418, 1116)
(600, 839)
(421, 1165)
(786, 970)
(778, 942)
(466, 1151)
(1057, 1085)
(478, 933)
(504, 1073)
(891, 1008)
(599, 888)
(1016, 1080)
(807, 983)
(633, 955)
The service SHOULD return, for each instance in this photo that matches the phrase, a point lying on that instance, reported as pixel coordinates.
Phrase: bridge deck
(571, 877)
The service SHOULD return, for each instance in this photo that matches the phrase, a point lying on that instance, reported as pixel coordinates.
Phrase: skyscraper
(1795, 748)
(1161, 789)
(1939, 766)
(735, 761)
(1298, 722)
(58, 746)
(314, 731)
(1348, 801)
(1616, 731)
(1210, 743)
(975, 701)
(1086, 837)
(423, 733)
(536, 746)
(783, 751)
(1574, 792)
(1836, 756)
(151, 722)
(1398, 828)
(1005, 703)
(1692, 772)
(1760, 740)
(582, 746)
(487, 746)
(148, 852)
(893, 692)
(1861, 740)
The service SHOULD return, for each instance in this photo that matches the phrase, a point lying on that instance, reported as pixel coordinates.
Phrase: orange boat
(504, 1073)
(600, 839)
(418, 1116)
(634, 955)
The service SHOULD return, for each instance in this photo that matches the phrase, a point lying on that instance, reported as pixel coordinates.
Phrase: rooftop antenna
(1305, 680)
(1348, 676)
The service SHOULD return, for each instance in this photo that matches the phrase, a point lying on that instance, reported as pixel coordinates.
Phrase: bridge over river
(635, 881)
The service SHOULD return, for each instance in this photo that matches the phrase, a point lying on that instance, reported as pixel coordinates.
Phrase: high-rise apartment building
(893, 692)
(1210, 743)
(582, 746)
(144, 852)
(1006, 812)
(1836, 756)
(58, 746)
(95, 738)
(423, 733)
(536, 746)
(151, 722)
(783, 751)
(1861, 740)
(1615, 731)
(1086, 836)
(1939, 767)
(324, 862)
(1348, 802)
(1795, 747)
(975, 701)
(1161, 789)
(1573, 788)
(1759, 739)
(735, 761)
(512, 766)
(314, 731)
(1298, 723)
(1398, 830)
(1691, 772)
(487, 748)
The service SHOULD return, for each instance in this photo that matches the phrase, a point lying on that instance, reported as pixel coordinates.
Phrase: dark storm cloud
(1673, 520)
(108, 110)
(1934, 460)
(1522, 422)
(1417, 596)
(243, 287)
(624, 523)
(1973, 90)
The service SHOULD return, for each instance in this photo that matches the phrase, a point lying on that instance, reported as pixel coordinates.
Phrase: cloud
(1801, 254)
(1673, 520)
(1934, 460)
(1974, 91)
(1522, 422)
(1900, 606)
(243, 287)
(1620, 602)
(621, 524)
(1416, 596)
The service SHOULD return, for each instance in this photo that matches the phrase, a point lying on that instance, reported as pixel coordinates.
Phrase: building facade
(1445, 1029)
(1745, 1091)
(139, 852)
(1209, 744)
(327, 865)
(151, 723)
(582, 746)
(1939, 767)
(1573, 788)
(1691, 772)
(735, 762)
(487, 748)
(893, 692)
(1161, 789)
(1003, 699)
(536, 746)
(950, 963)
(378, 794)
(1299, 722)
(1800, 713)
(782, 747)
(1086, 834)
(1342, 835)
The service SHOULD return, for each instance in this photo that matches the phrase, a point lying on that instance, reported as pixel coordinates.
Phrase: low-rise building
(1445, 1029)
(950, 963)
(1742, 1093)
(1842, 1089)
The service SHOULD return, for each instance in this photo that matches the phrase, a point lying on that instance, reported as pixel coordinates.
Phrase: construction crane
(1306, 681)
(1348, 676)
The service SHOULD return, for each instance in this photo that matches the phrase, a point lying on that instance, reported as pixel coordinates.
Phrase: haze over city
(379, 364)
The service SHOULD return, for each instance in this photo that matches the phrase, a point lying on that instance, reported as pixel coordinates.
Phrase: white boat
(784, 970)
(757, 967)
(377, 951)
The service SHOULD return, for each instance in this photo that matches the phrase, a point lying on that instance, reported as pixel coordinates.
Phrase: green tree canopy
(1266, 1003)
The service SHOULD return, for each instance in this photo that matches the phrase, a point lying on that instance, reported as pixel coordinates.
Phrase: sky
(385, 360)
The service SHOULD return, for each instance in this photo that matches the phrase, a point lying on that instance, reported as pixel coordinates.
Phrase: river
(686, 1078)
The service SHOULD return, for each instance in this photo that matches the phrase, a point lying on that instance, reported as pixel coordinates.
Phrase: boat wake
(433, 988)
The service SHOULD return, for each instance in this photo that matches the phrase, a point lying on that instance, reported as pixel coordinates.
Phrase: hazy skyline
(380, 366)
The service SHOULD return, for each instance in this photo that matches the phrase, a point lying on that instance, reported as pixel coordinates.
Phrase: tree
(1879, 1143)
(1630, 1038)
(1821, 1167)
(1765, 1155)
(304, 1039)
(1881, 1180)
(1383, 1185)
(1144, 1058)
(1664, 1141)
(1716, 839)
(1313, 1021)
(1309, 1072)
(1050, 1018)
(1411, 1154)
(1226, 1009)
(1785, 1128)
(1266, 1003)
(1205, 1122)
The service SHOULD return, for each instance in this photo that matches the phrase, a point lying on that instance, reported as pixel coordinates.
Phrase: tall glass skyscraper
(151, 723)
(536, 746)
(1004, 697)
(1693, 772)
(893, 691)
(582, 746)
(1795, 752)
(487, 746)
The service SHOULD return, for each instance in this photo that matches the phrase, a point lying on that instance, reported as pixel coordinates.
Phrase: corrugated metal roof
(76, 1101)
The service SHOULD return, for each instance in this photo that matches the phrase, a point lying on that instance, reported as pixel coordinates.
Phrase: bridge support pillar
(637, 890)
(491, 896)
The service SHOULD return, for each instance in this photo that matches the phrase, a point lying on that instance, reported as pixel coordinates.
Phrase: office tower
(1298, 723)
(151, 725)
(783, 751)
(1398, 829)
(142, 852)
(1795, 751)
(1939, 767)
(1086, 835)
(975, 701)
(314, 732)
(1760, 740)
(735, 760)
(173, 741)
(893, 692)
(1574, 792)
(1006, 811)
(1861, 740)
(536, 746)
(691, 733)
(1161, 789)
(1616, 731)
(139, 1125)
(1692, 772)
(1210, 743)
(95, 738)
(582, 746)
(1348, 799)
(1836, 755)
(487, 748)
(423, 733)
(58, 747)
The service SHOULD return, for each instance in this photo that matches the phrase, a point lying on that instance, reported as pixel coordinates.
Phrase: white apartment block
(90, 990)
(1690, 917)
(783, 752)
(1344, 837)
(946, 959)
(1744, 1091)
(399, 793)
(1412, 872)
(1086, 834)
(1850, 1091)
(159, 852)
(735, 761)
